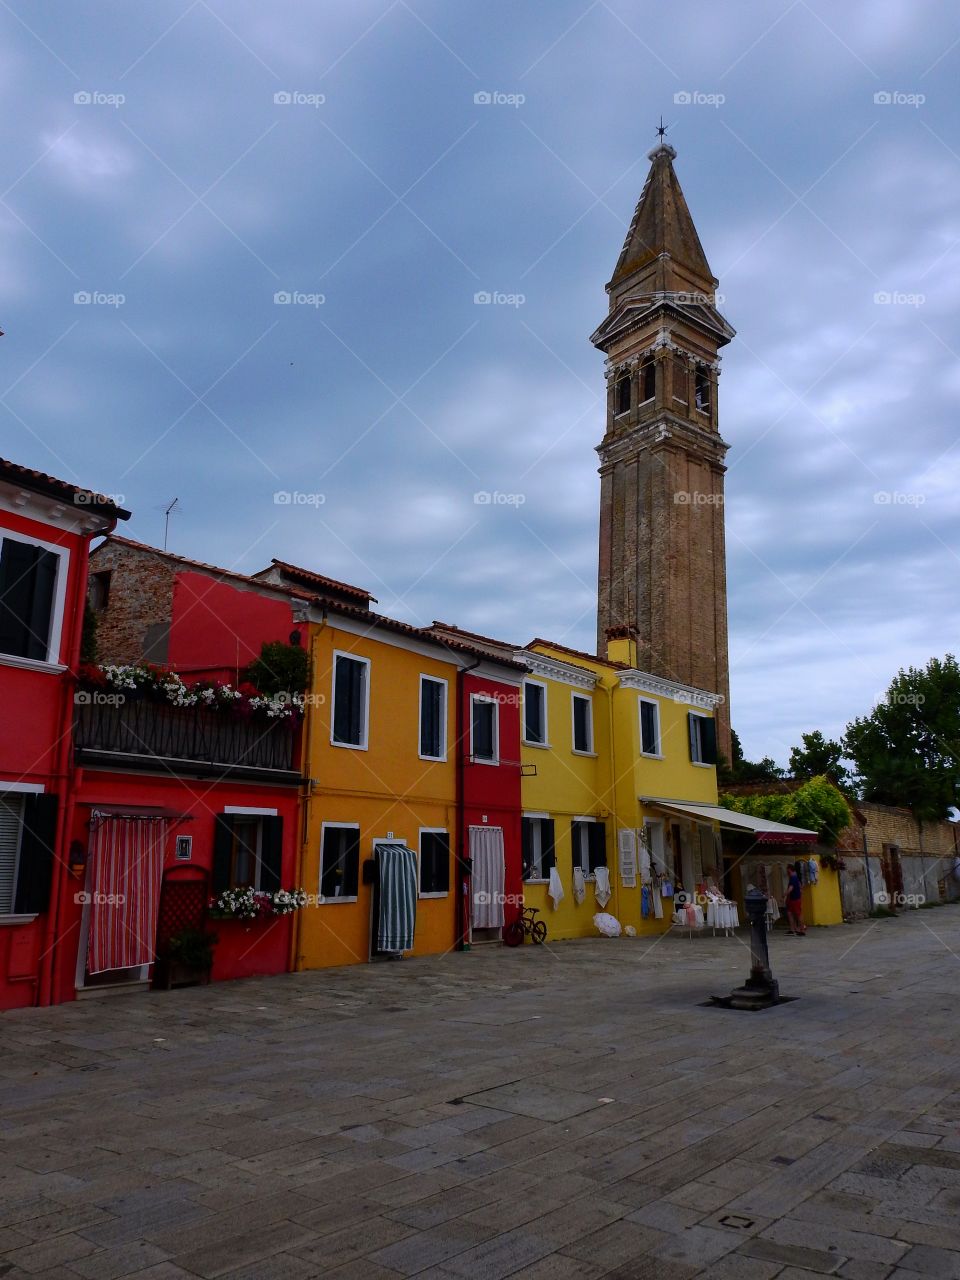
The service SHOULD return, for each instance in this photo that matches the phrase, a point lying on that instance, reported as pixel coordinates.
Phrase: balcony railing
(146, 733)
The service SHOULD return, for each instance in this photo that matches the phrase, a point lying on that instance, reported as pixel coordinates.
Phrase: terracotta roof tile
(39, 481)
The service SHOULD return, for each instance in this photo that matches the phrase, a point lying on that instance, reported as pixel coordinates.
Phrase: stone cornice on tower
(665, 432)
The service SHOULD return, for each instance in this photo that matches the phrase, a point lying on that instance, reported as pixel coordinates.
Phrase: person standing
(794, 902)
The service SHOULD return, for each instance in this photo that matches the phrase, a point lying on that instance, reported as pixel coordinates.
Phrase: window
(100, 590)
(582, 723)
(703, 739)
(534, 713)
(538, 848)
(648, 380)
(433, 718)
(434, 863)
(351, 696)
(649, 728)
(589, 840)
(681, 390)
(703, 388)
(28, 582)
(622, 395)
(483, 730)
(247, 851)
(339, 861)
(28, 825)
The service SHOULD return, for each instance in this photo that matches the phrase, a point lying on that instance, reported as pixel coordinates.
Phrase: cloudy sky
(183, 162)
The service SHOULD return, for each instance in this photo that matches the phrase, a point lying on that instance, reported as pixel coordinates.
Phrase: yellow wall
(821, 901)
(569, 785)
(386, 789)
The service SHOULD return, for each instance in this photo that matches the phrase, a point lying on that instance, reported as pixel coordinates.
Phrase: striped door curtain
(126, 862)
(486, 854)
(397, 892)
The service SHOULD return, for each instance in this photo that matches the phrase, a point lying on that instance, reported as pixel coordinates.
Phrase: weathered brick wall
(136, 621)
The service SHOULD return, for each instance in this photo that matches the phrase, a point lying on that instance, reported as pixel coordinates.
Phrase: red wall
(491, 793)
(217, 627)
(243, 950)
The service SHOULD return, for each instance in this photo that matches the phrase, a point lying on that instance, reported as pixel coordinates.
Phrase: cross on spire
(661, 129)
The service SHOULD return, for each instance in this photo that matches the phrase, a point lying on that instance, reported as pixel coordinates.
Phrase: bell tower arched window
(648, 380)
(622, 395)
(703, 388)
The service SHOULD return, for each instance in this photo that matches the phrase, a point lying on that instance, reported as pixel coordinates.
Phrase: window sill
(652, 755)
(32, 664)
(700, 764)
(15, 919)
(329, 902)
(592, 755)
(541, 746)
(429, 759)
(444, 894)
(349, 746)
(536, 880)
(479, 760)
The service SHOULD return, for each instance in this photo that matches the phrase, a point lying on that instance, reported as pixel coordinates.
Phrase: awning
(101, 812)
(767, 832)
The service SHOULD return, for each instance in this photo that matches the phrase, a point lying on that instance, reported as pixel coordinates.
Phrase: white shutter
(11, 813)
(627, 849)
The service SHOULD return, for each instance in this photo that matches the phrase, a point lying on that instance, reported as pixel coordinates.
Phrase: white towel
(657, 904)
(644, 856)
(602, 887)
(555, 888)
(579, 887)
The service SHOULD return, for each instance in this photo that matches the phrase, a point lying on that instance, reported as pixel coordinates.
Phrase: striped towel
(397, 882)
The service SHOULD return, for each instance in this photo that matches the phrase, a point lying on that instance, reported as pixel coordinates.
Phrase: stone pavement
(571, 1111)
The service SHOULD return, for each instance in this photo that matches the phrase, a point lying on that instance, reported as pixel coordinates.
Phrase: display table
(722, 914)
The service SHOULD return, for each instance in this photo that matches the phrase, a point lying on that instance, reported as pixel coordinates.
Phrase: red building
(45, 526)
(489, 804)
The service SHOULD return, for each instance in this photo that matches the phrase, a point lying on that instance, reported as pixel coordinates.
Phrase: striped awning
(397, 886)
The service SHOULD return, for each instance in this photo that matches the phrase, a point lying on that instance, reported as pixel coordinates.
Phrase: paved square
(571, 1111)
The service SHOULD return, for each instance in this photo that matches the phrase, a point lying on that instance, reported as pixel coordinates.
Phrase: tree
(818, 755)
(742, 770)
(816, 806)
(907, 750)
(281, 668)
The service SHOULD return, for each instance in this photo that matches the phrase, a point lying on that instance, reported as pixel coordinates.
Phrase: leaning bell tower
(662, 560)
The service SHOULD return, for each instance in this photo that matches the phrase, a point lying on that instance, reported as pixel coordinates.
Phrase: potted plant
(186, 959)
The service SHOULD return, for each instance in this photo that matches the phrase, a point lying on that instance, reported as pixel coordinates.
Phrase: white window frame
(488, 698)
(349, 826)
(583, 697)
(651, 702)
(657, 846)
(529, 742)
(698, 716)
(425, 679)
(539, 817)
(431, 831)
(583, 817)
(55, 638)
(363, 744)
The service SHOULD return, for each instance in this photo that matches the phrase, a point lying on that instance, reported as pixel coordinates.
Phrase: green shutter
(222, 852)
(575, 844)
(526, 846)
(692, 734)
(548, 845)
(597, 845)
(351, 862)
(708, 740)
(37, 845)
(271, 853)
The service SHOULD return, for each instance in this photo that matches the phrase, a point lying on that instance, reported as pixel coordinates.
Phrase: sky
(242, 248)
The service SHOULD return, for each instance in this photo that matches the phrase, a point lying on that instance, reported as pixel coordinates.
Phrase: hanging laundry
(666, 889)
(555, 888)
(814, 871)
(645, 903)
(579, 887)
(657, 903)
(644, 856)
(602, 888)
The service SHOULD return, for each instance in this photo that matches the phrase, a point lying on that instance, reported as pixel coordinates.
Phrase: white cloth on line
(579, 886)
(644, 856)
(486, 853)
(602, 888)
(555, 888)
(657, 904)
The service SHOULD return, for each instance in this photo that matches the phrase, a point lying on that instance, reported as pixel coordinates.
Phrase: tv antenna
(166, 521)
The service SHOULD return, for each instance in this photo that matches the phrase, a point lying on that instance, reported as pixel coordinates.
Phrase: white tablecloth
(722, 915)
(680, 918)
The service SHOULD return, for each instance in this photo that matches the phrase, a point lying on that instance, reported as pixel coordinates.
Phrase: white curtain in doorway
(126, 867)
(486, 854)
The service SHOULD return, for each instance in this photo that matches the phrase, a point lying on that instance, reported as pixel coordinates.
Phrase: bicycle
(526, 926)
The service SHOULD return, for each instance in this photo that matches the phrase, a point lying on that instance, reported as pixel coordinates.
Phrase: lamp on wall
(78, 859)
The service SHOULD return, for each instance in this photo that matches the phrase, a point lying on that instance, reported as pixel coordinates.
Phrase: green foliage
(281, 668)
(907, 750)
(740, 769)
(817, 756)
(88, 636)
(193, 948)
(816, 806)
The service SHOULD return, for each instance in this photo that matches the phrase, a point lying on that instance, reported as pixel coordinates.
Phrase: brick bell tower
(662, 559)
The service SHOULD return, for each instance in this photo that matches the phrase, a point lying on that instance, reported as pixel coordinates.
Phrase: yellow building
(380, 756)
(615, 741)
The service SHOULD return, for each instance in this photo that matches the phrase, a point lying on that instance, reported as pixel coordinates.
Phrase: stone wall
(134, 624)
(925, 854)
